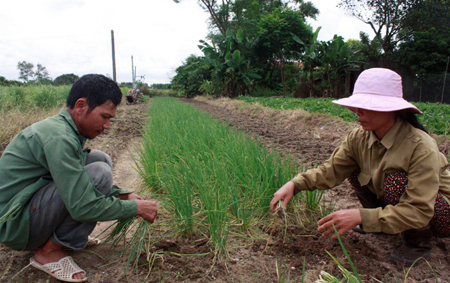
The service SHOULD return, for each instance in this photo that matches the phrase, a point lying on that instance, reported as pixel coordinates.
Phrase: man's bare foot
(51, 252)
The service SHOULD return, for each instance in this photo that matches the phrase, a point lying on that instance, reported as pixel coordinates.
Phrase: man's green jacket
(51, 151)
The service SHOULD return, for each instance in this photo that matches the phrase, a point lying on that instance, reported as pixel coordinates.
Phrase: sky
(74, 36)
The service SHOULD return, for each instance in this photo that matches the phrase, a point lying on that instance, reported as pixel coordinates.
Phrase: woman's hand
(343, 220)
(285, 193)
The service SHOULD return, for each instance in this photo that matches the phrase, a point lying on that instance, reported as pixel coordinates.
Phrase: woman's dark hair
(411, 118)
(97, 89)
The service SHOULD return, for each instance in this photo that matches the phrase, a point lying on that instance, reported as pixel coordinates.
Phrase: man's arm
(129, 196)
(83, 201)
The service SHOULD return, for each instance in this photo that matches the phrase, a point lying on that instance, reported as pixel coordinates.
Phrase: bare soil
(255, 257)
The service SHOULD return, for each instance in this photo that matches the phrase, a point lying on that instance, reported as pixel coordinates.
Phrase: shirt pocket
(364, 178)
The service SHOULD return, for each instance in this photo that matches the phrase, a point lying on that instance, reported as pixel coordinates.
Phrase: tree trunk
(300, 92)
(283, 81)
(311, 83)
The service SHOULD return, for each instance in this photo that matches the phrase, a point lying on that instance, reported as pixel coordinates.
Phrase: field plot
(214, 225)
(215, 184)
(436, 117)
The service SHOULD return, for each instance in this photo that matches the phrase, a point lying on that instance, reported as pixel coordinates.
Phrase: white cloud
(74, 36)
(334, 20)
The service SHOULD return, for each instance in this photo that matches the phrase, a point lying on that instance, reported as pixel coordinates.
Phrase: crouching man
(53, 192)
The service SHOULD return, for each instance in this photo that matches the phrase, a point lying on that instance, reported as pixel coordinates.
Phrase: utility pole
(133, 75)
(113, 56)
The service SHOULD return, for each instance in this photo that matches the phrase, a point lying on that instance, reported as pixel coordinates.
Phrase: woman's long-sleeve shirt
(403, 148)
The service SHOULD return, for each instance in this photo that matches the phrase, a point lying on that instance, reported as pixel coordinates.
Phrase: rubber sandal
(63, 270)
(92, 241)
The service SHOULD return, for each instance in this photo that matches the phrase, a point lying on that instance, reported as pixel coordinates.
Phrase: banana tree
(336, 61)
(231, 67)
(310, 59)
(276, 46)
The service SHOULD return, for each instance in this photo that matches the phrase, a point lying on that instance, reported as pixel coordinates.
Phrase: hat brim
(376, 103)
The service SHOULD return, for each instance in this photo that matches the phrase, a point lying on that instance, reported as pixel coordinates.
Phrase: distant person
(53, 191)
(393, 165)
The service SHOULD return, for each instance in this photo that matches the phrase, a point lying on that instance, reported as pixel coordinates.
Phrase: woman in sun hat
(393, 165)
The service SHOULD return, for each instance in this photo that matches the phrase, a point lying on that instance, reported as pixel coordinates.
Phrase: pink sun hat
(378, 89)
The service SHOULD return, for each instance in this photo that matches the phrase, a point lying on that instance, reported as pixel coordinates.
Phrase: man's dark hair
(97, 89)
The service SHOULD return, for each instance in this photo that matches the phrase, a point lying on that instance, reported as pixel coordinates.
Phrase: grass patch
(31, 97)
(436, 117)
(15, 120)
(21, 106)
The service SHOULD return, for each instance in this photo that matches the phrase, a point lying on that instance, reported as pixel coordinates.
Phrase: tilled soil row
(311, 140)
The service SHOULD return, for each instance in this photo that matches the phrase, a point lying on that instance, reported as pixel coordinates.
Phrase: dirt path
(310, 139)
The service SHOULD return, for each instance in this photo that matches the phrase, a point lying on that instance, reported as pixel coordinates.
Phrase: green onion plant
(211, 178)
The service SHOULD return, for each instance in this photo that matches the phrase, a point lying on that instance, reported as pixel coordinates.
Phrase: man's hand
(128, 196)
(343, 220)
(285, 193)
(147, 209)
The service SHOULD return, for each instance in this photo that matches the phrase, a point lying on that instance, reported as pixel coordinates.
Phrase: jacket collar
(388, 140)
(68, 118)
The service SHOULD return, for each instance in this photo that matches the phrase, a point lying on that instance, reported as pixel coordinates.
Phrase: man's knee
(99, 156)
(101, 175)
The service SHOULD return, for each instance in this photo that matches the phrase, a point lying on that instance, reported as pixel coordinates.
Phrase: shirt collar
(66, 115)
(388, 140)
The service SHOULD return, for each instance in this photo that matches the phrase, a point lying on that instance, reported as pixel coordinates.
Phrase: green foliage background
(26, 97)
(436, 117)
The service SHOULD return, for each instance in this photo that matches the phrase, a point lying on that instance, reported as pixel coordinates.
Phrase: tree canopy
(190, 76)
(66, 79)
(26, 72)
(250, 40)
(256, 46)
(383, 16)
(425, 34)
